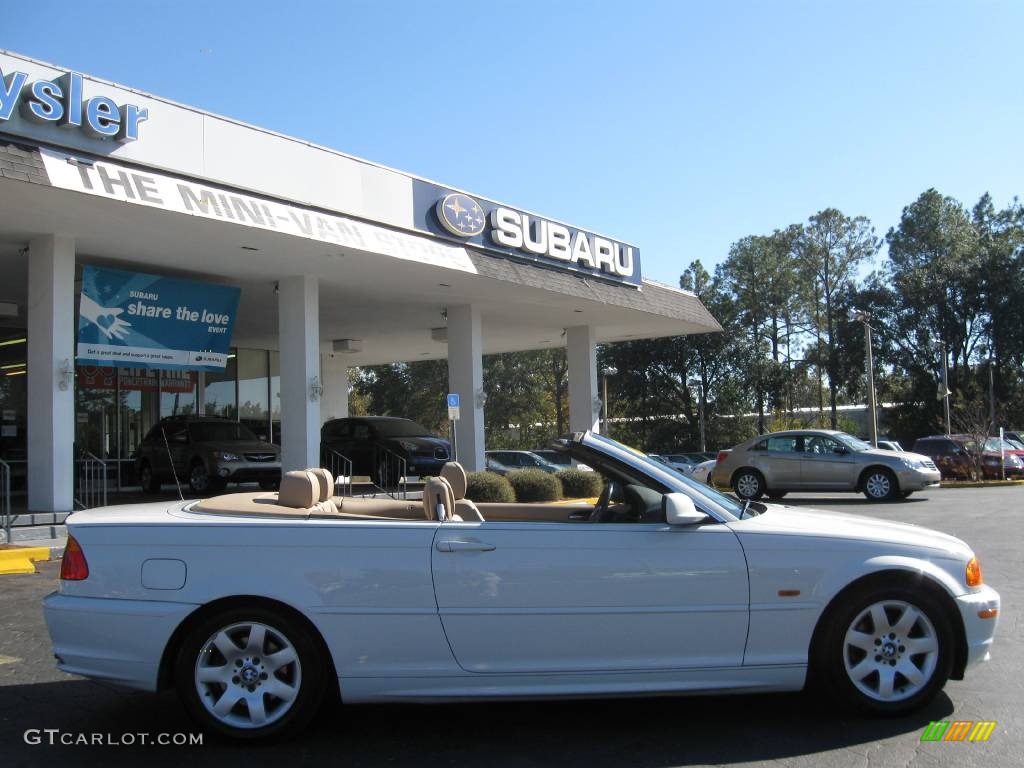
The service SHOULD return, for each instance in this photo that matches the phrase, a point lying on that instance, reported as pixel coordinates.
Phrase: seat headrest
(435, 492)
(326, 480)
(456, 477)
(299, 489)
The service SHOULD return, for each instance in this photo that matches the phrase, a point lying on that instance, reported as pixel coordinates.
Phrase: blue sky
(680, 126)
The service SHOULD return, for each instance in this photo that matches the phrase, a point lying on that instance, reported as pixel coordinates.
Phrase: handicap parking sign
(453, 400)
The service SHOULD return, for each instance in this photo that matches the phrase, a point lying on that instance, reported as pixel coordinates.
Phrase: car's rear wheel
(886, 650)
(148, 479)
(880, 485)
(748, 484)
(251, 673)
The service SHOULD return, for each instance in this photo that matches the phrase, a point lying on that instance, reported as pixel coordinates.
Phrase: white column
(335, 381)
(581, 354)
(466, 377)
(298, 310)
(51, 394)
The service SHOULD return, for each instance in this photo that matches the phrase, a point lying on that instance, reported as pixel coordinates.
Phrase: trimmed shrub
(535, 485)
(488, 487)
(577, 484)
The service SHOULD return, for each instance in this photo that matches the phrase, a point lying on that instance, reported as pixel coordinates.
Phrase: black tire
(879, 484)
(147, 479)
(776, 495)
(201, 481)
(270, 485)
(833, 656)
(748, 484)
(302, 683)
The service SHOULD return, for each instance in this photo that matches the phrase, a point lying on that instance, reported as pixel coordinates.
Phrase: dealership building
(336, 262)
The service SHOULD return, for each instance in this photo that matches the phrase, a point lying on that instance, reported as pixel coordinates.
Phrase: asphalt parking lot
(789, 730)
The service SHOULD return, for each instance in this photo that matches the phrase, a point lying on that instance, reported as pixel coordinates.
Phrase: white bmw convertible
(257, 605)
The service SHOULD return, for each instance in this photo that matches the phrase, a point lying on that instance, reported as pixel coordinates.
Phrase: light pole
(605, 373)
(945, 384)
(700, 409)
(865, 319)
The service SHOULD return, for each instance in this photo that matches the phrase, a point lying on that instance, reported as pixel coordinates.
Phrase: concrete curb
(982, 484)
(19, 559)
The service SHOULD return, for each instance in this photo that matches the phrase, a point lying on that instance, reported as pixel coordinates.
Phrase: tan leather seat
(438, 500)
(299, 489)
(455, 475)
(326, 480)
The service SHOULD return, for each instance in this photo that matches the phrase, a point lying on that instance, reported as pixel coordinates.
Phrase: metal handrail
(92, 482)
(343, 463)
(394, 466)
(5, 497)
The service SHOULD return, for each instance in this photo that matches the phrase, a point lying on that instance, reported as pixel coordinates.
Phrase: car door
(544, 597)
(779, 460)
(826, 464)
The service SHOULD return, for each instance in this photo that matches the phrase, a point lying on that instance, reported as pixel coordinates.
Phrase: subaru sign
(496, 227)
(134, 320)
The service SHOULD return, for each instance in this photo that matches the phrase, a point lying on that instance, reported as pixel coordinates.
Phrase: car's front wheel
(251, 673)
(880, 485)
(887, 650)
(748, 484)
(201, 481)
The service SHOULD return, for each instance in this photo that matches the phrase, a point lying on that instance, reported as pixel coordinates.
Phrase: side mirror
(679, 510)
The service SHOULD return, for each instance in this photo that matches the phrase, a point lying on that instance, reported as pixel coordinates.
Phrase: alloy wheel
(878, 485)
(890, 650)
(248, 675)
(748, 485)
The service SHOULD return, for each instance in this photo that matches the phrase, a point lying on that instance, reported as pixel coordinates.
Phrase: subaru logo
(461, 215)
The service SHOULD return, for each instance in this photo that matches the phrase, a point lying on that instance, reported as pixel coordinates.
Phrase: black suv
(208, 452)
(372, 443)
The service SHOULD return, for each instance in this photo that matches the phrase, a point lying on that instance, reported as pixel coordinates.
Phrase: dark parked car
(958, 456)
(207, 453)
(523, 460)
(375, 443)
(952, 457)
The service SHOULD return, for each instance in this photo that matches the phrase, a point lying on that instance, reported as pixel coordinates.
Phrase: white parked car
(702, 472)
(255, 606)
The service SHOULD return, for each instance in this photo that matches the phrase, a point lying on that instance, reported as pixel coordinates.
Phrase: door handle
(580, 515)
(463, 545)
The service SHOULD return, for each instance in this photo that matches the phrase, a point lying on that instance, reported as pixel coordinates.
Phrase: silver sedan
(821, 460)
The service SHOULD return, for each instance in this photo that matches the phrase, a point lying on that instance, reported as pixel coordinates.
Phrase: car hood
(884, 454)
(781, 519)
(420, 441)
(242, 446)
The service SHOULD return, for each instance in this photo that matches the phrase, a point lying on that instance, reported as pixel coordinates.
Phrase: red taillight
(721, 457)
(73, 566)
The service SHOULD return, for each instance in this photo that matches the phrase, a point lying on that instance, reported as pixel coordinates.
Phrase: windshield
(853, 442)
(993, 444)
(728, 503)
(220, 431)
(400, 428)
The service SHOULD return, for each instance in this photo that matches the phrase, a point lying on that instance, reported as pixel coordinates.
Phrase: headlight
(226, 456)
(973, 573)
(407, 445)
(1014, 461)
(913, 463)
